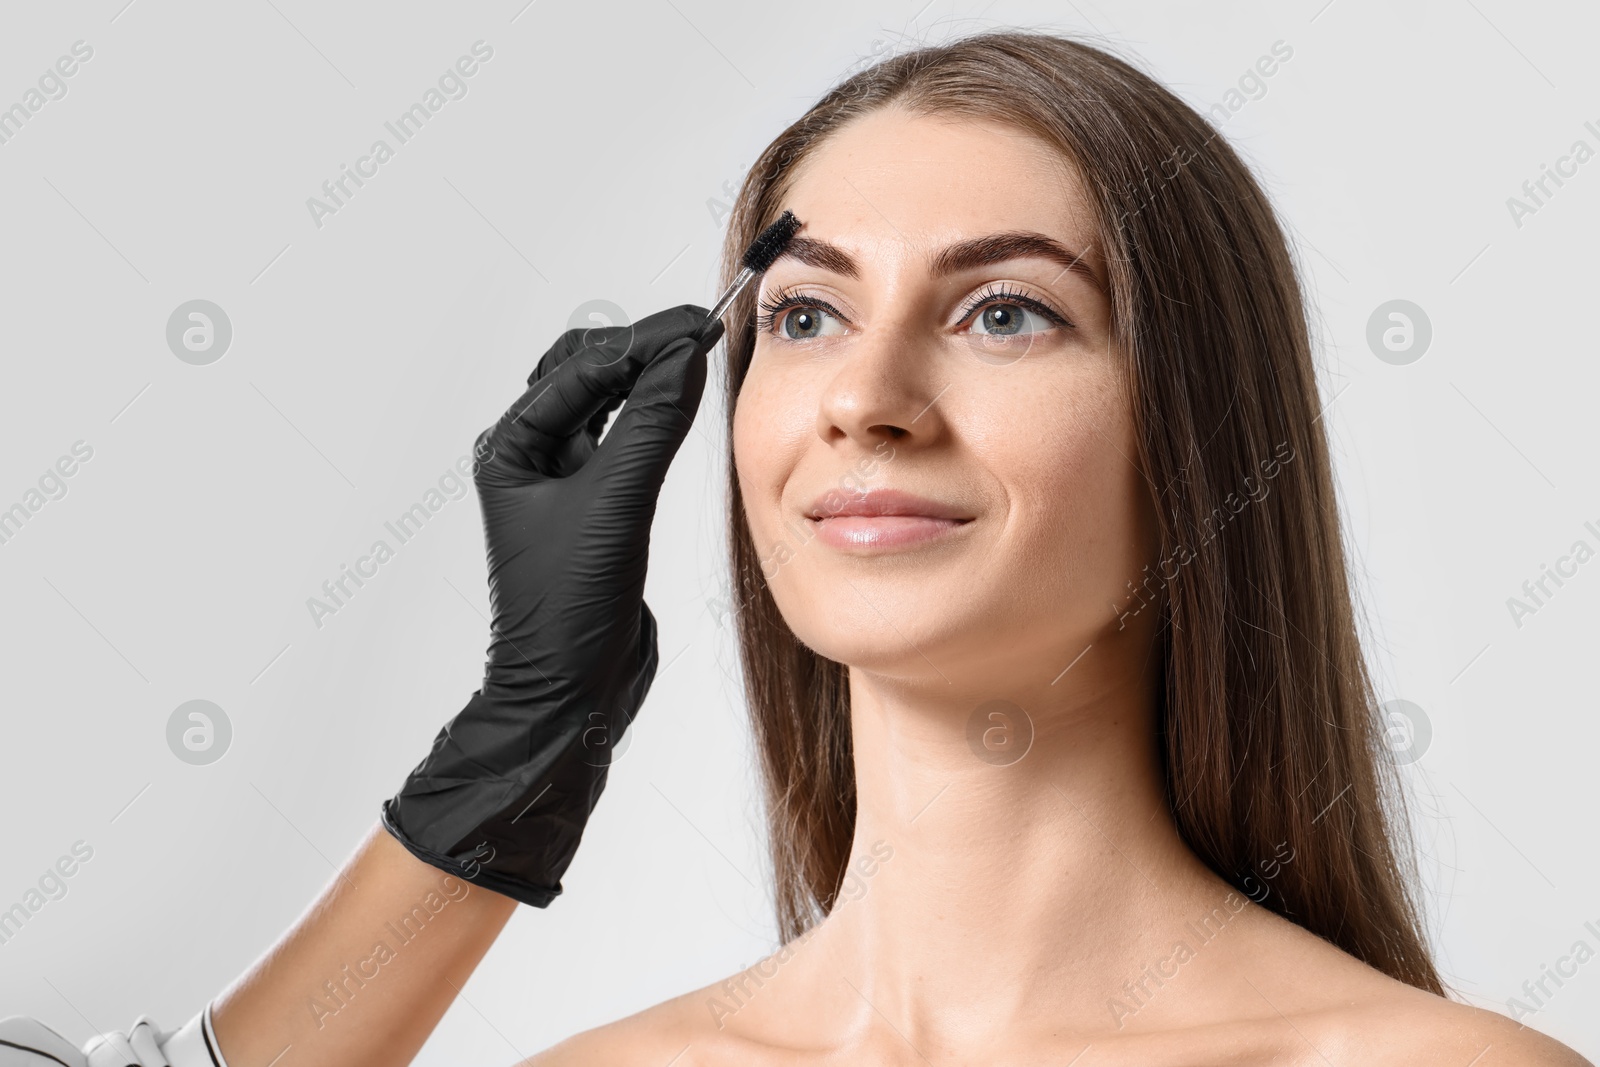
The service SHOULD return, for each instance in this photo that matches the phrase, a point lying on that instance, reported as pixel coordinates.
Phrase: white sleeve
(26, 1042)
(194, 1044)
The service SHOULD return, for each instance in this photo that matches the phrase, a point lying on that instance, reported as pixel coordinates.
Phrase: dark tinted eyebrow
(952, 259)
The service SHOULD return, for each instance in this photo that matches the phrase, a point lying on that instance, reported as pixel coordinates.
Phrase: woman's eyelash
(784, 299)
(997, 293)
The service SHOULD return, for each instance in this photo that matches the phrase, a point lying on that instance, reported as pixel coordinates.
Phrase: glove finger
(634, 457)
(589, 372)
(553, 427)
(707, 332)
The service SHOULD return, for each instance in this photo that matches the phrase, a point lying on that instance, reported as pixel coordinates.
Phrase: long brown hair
(1268, 719)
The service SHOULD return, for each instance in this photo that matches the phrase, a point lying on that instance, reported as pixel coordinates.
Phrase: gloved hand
(504, 795)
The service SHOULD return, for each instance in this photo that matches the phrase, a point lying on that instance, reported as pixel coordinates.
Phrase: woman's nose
(880, 387)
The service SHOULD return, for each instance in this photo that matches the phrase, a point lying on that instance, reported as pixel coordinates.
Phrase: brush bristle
(766, 248)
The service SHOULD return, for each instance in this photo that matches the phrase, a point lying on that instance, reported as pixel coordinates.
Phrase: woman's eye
(805, 323)
(1003, 319)
(992, 314)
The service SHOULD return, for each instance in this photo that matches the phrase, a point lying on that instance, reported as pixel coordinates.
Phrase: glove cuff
(539, 896)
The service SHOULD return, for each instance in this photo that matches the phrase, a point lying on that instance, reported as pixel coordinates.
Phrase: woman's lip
(883, 502)
(882, 531)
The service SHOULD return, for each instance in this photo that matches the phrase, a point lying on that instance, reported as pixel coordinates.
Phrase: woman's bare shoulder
(1413, 1026)
(1362, 1015)
(683, 1032)
(1343, 1010)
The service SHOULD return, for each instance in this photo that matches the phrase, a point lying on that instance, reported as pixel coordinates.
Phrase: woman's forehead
(892, 183)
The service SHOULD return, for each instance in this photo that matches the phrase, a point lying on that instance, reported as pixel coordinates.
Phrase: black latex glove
(503, 797)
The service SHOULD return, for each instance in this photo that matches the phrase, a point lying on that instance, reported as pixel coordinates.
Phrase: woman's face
(978, 377)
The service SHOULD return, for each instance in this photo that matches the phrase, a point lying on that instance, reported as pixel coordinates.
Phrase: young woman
(1069, 745)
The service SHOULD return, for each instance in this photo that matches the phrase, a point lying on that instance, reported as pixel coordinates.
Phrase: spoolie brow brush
(762, 253)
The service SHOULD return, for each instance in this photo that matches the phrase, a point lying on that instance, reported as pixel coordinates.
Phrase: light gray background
(583, 164)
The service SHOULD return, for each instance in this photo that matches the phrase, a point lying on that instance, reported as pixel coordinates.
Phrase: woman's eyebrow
(1012, 244)
(820, 254)
(952, 259)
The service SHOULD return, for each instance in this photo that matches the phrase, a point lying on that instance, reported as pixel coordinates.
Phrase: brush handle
(740, 280)
(712, 331)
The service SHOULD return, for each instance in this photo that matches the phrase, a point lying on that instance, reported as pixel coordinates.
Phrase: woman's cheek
(761, 454)
(749, 463)
(1084, 491)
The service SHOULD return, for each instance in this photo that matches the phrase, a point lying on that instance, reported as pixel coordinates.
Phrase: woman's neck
(1005, 879)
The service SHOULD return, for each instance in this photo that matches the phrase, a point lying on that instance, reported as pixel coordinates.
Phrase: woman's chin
(907, 647)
